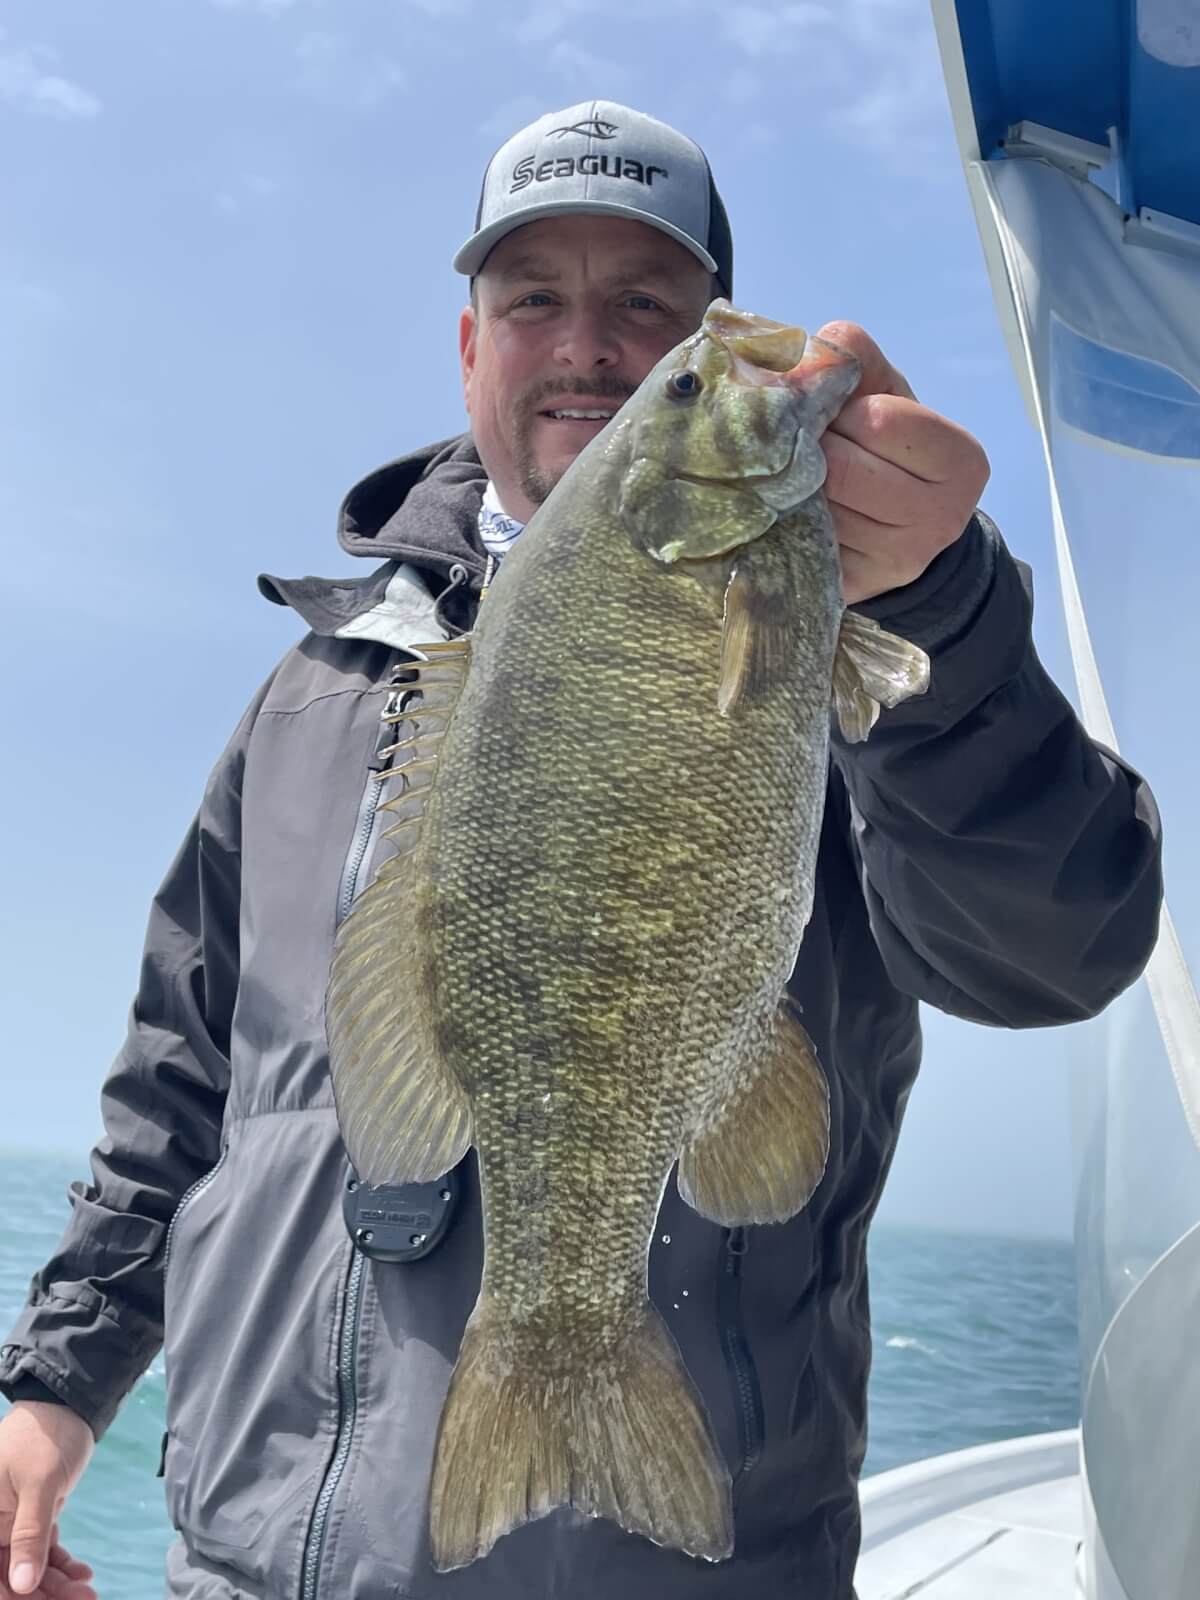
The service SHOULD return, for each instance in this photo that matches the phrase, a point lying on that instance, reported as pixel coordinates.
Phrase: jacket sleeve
(93, 1319)
(1011, 865)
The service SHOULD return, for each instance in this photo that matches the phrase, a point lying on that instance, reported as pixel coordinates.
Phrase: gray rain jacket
(979, 852)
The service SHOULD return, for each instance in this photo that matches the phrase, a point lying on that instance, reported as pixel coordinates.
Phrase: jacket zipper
(188, 1196)
(347, 1414)
(368, 806)
(736, 1348)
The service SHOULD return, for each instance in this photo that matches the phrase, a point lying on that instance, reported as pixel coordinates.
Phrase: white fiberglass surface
(1124, 439)
(1134, 528)
(1143, 1408)
(1108, 332)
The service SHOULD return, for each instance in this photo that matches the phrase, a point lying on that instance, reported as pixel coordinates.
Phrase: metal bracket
(1157, 231)
(1077, 156)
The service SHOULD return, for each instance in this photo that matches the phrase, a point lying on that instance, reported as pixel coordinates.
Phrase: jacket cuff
(70, 1341)
(29, 1388)
(943, 603)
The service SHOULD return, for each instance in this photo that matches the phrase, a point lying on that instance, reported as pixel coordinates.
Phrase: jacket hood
(419, 516)
(422, 508)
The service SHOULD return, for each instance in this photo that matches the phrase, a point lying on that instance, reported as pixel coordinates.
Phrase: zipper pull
(458, 576)
(399, 688)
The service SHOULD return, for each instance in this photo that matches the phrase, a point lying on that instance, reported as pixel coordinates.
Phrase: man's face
(571, 314)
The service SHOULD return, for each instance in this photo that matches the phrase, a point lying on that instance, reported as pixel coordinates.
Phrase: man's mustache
(597, 388)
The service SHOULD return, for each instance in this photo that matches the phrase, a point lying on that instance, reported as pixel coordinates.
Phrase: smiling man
(979, 853)
(568, 314)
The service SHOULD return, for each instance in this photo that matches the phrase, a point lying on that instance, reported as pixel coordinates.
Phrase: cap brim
(477, 248)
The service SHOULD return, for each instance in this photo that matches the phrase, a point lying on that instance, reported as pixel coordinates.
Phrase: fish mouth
(763, 351)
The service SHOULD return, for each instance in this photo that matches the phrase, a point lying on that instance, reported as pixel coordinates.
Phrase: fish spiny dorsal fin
(404, 1115)
(437, 681)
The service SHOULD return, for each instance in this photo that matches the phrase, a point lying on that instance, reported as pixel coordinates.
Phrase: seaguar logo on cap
(590, 166)
(593, 128)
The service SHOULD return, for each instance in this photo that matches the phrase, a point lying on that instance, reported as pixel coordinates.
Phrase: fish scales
(592, 983)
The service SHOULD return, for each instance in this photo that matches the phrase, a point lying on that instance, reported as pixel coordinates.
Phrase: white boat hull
(997, 1522)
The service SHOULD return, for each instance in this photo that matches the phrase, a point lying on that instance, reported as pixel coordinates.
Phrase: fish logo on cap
(592, 128)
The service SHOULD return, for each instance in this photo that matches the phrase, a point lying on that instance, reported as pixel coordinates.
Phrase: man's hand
(43, 1451)
(903, 482)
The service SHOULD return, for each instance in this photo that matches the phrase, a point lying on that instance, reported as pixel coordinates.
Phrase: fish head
(724, 436)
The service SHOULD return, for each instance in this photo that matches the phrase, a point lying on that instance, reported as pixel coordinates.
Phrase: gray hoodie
(979, 852)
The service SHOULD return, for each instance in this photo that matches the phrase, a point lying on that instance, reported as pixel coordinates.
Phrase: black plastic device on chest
(397, 1222)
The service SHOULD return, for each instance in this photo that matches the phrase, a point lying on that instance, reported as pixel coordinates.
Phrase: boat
(1079, 130)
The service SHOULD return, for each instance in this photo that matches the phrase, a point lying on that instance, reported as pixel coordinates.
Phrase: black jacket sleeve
(93, 1320)
(1011, 865)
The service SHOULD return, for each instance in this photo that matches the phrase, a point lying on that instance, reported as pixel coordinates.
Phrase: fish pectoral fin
(621, 1434)
(675, 519)
(757, 636)
(873, 668)
(403, 1114)
(763, 1155)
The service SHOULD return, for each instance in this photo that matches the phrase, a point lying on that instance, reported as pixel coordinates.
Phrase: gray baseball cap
(602, 157)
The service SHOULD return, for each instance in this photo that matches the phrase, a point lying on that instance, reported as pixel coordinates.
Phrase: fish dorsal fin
(871, 669)
(404, 1115)
(438, 680)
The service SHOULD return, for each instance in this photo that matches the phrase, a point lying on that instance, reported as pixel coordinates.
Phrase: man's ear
(466, 349)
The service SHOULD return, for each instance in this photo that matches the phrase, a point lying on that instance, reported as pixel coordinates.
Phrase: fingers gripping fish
(648, 687)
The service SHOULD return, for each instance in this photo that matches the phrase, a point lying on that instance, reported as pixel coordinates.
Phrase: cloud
(545, 19)
(588, 74)
(247, 190)
(331, 70)
(762, 32)
(742, 86)
(30, 301)
(268, 8)
(441, 8)
(896, 116)
(870, 69)
(511, 115)
(756, 136)
(26, 84)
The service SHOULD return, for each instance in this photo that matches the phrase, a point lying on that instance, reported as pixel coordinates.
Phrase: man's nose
(586, 341)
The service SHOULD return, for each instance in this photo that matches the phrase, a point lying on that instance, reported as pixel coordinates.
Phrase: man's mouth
(580, 413)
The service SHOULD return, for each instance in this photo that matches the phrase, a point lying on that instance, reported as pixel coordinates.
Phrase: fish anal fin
(621, 1434)
(403, 1113)
(762, 1155)
(873, 668)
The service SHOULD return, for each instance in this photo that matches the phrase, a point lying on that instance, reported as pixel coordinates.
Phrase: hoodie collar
(420, 515)
(422, 508)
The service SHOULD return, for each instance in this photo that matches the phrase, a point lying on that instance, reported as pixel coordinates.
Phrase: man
(978, 852)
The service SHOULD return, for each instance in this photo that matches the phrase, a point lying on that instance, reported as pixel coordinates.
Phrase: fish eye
(683, 385)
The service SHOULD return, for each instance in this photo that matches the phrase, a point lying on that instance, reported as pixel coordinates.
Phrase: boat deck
(998, 1522)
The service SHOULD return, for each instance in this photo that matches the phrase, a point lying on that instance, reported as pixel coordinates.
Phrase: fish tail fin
(622, 1435)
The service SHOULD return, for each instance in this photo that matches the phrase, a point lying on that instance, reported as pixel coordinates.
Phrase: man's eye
(643, 302)
(536, 298)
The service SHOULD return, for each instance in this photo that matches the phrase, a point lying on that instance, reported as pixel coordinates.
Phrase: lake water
(974, 1341)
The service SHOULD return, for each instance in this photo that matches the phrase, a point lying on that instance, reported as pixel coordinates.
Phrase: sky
(226, 294)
